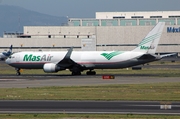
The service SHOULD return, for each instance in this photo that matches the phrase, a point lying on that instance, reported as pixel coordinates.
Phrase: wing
(68, 63)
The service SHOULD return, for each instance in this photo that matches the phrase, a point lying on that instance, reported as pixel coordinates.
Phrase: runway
(48, 80)
(113, 107)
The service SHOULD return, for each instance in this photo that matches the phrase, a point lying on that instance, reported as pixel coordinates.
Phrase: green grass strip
(136, 92)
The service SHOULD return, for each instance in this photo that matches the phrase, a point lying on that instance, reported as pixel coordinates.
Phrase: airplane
(6, 54)
(78, 61)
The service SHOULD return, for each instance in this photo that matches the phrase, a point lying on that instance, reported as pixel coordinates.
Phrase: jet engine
(50, 68)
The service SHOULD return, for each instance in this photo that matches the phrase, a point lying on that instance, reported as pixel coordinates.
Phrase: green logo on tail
(108, 56)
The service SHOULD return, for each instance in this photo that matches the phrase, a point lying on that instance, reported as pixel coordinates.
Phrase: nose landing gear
(18, 71)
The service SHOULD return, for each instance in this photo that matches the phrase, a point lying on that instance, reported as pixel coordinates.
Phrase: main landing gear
(76, 71)
(87, 73)
(90, 72)
(18, 71)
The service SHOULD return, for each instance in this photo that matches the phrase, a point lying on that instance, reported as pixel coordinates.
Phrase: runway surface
(119, 107)
(45, 80)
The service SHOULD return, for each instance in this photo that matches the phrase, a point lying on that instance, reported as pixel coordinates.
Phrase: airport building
(108, 31)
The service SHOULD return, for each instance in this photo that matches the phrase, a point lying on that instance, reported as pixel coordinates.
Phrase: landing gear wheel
(18, 71)
(76, 73)
(90, 73)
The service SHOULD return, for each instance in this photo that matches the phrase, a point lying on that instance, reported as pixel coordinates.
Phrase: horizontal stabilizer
(146, 56)
(168, 55)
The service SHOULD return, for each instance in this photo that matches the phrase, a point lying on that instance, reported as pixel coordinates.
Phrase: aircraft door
(17, 58)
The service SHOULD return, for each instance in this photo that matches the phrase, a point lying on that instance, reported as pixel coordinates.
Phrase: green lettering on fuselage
(27, 58)
(38, 58)
(32, 57)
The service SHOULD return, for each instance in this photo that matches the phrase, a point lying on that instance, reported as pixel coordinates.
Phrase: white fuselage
(95, 59)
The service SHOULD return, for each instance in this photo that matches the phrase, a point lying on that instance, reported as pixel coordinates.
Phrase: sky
(88, 8)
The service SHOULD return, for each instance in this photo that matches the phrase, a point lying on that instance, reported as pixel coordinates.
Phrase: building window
(24, 36)
(109, 24)
(147, 23)
(89, 24)
(155, 16)
(167, 23)
(137, 17)
(118, 17)
(128, 24)
(174, 16)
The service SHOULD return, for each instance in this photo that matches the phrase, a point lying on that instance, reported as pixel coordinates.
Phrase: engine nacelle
(50, 68)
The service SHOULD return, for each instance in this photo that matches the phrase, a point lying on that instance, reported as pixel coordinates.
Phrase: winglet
(67, 58)
(68, 55)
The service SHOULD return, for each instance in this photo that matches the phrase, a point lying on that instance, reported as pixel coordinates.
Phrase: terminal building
(108, 31)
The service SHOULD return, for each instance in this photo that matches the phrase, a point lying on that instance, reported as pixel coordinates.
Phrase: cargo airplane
(6, 54)
(78, 61)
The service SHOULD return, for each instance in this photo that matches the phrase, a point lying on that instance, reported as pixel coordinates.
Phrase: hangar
(108, 31)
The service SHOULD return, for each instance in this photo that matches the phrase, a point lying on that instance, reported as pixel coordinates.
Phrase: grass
(141, 92)
(85, 116)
